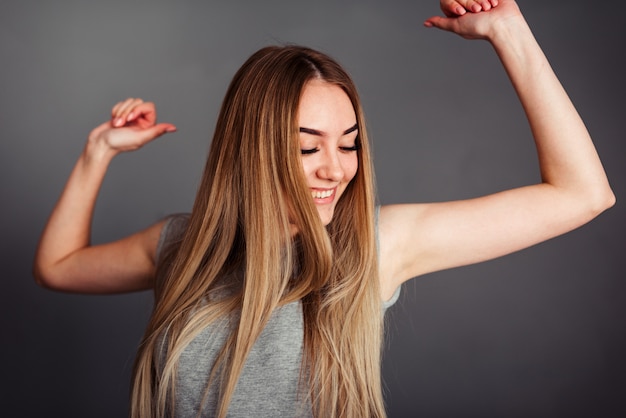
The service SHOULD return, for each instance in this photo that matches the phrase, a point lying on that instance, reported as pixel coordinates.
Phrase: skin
(422, 238)
(414, 239)
(329, 155)
(65, 260)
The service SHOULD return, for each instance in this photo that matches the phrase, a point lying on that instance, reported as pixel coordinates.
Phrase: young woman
(269, 297)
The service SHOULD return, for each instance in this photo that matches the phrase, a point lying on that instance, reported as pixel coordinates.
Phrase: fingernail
(130, 116)
(171, 129)
(460, 11)
(118, 122)
(476, 8)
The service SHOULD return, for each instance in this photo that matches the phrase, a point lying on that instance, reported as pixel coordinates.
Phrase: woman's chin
(326, 214)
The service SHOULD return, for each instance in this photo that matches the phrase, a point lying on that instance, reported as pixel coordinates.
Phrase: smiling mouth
(322, 194)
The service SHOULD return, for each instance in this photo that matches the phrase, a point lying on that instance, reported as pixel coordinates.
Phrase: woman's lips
(323, 195)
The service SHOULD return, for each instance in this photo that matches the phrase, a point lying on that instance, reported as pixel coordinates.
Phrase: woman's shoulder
(172, 233)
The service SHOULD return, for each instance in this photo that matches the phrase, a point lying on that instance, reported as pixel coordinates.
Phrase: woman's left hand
(473, 19)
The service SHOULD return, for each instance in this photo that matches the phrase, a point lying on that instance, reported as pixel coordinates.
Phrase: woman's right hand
(473, 19)
(65, 259)
(133, 124)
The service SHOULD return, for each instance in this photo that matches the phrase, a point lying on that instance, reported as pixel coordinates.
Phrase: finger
(470, 5)
(452, 8)
(155, 131)
(114, 110)
(143, 113)
(439, 22)
(476, 6)
(127, 107)
(485, 5)
(119, 105)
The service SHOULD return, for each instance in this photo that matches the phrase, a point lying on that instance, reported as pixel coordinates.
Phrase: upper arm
(126, 265)
(416, 239)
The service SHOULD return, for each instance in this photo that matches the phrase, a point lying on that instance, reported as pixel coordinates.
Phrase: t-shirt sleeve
(389, 303)
(171, 236)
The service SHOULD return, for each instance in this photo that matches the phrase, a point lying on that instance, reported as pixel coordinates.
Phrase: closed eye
(309, 151)
(355, 147)
(352, 148)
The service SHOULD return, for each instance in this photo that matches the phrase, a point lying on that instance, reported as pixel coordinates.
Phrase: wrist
(509, 31)
(97, 152)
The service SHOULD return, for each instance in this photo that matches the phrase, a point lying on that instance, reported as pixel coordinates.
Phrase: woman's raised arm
(65, 260)
(422, 238)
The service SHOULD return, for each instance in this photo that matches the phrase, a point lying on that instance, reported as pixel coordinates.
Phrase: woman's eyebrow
(352, 129)
(319, 133)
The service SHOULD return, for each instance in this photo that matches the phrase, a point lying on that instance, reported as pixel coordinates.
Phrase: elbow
(49, 271)
(607, 201)
(45, 278)
(41, 278)
(611, 199)
(601, 200)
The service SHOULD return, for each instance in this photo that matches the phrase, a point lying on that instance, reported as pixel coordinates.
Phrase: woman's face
(328, 132)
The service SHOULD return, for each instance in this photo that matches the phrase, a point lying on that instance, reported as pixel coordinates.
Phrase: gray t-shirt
(269, 382)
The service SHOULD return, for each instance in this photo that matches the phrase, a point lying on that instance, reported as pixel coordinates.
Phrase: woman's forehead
(326, 108)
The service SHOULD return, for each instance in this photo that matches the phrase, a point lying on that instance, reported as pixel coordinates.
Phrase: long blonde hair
(252, 192)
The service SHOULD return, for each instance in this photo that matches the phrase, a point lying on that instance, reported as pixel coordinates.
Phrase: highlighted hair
(252, 192)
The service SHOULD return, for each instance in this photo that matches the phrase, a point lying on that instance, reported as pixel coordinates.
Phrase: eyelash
(314, 150)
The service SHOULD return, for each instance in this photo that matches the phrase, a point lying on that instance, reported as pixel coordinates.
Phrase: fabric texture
(269, 382)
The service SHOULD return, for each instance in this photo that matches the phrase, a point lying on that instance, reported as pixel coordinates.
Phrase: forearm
(65, 259)
(567, 157)
(68, 229)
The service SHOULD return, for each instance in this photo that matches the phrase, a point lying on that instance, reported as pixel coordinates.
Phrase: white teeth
(321, 194)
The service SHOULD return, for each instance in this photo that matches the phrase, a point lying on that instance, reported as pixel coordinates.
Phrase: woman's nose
(330, 167)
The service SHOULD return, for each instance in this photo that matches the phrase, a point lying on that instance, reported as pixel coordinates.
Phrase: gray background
(536, 334)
